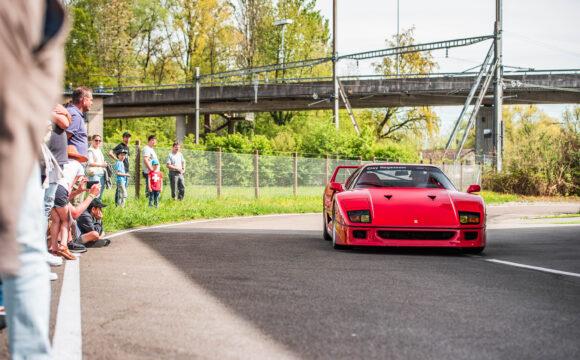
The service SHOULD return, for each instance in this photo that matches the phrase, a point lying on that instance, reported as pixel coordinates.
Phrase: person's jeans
(122, 194)
(154, 198)
(27, 296)
(147, 191)
(177, 185)
(100, 179)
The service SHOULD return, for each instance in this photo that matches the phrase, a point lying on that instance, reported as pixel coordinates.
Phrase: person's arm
(80, 189)
(182, 164)
(112, 154)
(61, 117)
(147, 163)
(76, 211)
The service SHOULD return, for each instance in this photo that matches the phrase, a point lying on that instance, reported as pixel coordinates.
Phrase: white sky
(542, 34)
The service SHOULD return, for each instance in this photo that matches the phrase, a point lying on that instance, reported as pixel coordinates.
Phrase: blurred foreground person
(33, 35)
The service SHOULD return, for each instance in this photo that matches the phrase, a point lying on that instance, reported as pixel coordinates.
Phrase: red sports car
(401, 205)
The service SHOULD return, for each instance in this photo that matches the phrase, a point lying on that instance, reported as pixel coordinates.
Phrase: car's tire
(325, 235)
(474, 250)
(334, 244)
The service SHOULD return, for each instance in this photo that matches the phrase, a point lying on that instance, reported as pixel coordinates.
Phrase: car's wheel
(334, 244)
(325, 234)
(473, 250)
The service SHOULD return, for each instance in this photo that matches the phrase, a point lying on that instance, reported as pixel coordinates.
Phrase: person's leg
(156, 198)
(180, 187)
(147, 191)
(27, 296)
(172, 183)
(122, 193)
(54, 230)
(102, 181)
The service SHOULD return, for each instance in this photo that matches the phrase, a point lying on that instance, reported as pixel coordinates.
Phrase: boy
(155, 183)
(122, 178)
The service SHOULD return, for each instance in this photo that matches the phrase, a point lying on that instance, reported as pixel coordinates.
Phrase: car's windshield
(403, 176)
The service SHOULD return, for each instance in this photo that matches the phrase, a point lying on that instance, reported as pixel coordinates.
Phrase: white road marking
(537, 268)
(68, 340)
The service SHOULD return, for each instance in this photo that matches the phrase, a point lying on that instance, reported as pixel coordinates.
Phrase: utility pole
(334, 70)
(498, 90)
(398, 44)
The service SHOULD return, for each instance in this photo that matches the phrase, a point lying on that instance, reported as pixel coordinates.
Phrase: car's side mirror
(336, 186)
(473, 188)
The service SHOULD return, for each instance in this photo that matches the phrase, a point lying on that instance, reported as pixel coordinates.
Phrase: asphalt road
(271, 288)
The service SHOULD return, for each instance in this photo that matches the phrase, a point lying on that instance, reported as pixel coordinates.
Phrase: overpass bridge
(535, 87)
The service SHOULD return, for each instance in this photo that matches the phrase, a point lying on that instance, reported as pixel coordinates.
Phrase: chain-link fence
(215, 173)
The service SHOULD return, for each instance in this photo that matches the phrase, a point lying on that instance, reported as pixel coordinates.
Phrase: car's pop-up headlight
(469, 218)
(359, 216)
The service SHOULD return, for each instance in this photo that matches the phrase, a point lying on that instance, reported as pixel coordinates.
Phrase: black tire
(334, 244)
(474, 250)
(325, 235)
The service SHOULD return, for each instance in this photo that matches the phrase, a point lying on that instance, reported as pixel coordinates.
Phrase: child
(155, 184)
(122, 179)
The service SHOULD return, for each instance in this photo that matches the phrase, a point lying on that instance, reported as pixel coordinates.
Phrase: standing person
(148, 156)
(96, 164)
(31, 69)
(176, 165)
(82, 100)
(122, 179)
(155, 184)
(124, 145)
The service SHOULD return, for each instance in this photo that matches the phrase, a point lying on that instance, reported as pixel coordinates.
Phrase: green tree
(395, 123)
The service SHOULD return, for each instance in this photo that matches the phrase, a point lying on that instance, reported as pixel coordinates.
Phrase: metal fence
(217, 173)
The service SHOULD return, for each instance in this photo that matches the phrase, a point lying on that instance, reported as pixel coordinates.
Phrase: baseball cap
(126, 133)
(154, 162)
(96, 203)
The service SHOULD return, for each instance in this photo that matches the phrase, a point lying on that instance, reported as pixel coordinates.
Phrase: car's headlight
(359, 216)
(469, 218)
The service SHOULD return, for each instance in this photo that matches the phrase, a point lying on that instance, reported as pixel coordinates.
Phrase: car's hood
(406, 207)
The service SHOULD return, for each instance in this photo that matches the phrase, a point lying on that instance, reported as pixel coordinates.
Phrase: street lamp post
(281, 51)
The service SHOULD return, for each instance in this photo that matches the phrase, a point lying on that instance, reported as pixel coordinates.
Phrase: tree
(395, 123)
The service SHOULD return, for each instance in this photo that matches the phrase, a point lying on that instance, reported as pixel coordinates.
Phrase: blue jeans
(154, 198)
(101, 179)
(27, 296)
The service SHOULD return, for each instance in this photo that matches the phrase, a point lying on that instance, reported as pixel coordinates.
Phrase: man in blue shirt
(82, 100)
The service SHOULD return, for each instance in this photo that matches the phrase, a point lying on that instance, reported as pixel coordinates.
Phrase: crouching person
(91, 226)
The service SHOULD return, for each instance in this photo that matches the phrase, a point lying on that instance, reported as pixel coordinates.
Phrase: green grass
(201, 202)
(563, 216)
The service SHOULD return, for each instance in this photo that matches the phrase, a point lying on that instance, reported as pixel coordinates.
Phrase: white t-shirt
(176, 160)
(70, 170)
(95, 156)
(150, 153)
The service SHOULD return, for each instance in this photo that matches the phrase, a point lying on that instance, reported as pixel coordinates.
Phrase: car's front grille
(416, 235)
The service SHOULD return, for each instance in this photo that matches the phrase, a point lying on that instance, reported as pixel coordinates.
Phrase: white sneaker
(53, 260)
(53, 276)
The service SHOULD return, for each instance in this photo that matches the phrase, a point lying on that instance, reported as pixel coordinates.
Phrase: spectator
(91, 226)
(96, 164)
(124, 145)
(31, 69)
(148, 156)
(122, 178)
(82, 100)
(176, 165)
(155, 184)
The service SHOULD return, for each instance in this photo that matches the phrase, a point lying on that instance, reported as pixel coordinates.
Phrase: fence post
(137, 168)
(399, 160)
(326, 168)
(295, 173)
(256, 177)
(374, 159)
(360, 160)
(461, 175)
(219, 172)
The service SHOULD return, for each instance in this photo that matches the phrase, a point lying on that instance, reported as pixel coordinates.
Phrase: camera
(90, 184)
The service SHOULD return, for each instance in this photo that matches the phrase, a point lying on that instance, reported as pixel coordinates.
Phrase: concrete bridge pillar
(190, 127)
(180, 128)
(95, 117)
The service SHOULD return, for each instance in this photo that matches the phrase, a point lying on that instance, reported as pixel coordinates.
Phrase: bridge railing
(212, 174)
(268, 81)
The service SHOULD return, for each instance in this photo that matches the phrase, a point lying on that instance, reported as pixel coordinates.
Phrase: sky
(539, 34)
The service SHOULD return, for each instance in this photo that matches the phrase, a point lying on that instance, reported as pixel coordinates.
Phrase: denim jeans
(27, 296)
(101, 179)
(154, 198)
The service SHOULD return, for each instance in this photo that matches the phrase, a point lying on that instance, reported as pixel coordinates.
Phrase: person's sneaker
(99, 243)
(53, 276)
(53, 260)
(63, 251)
(75, 247)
